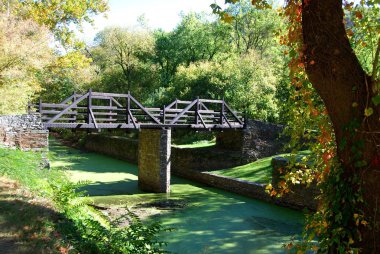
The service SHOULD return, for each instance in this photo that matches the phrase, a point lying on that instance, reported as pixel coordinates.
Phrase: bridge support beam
(154, 160)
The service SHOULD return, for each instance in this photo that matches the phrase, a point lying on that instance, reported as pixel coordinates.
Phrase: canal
(205, 219)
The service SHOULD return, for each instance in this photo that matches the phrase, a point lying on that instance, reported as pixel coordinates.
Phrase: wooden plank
(211, 101)
(105, 108)
(142, 107)
(131, 118)
(53, 105)
(90, 126)
(119, 95)
(106, 119)
(68, 108)
(104, 114)
(183, 112)
(184, 102)
(117, 103)
(230, 110)
(93, 119)
(53, 112)
(171, 105)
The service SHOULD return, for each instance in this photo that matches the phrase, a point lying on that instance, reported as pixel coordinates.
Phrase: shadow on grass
(26, 227)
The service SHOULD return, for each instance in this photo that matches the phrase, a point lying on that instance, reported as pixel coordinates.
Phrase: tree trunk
(336, 74)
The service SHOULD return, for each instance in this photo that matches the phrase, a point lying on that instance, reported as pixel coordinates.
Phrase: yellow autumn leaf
(368, 112)
(227, 18)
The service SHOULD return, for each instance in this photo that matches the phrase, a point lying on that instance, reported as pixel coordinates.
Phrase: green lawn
(259, 171)
(198, 144)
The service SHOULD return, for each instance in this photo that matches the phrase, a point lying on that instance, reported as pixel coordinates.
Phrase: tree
(65, 75)
(58, 15)
(346, 90)
(124, 59)
(24, 51)
(320, 47)
(246, 82)
(253, 28)
(194, 39)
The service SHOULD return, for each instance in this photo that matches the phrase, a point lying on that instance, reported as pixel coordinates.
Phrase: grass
(259, 171)
(197, 144)
(85, 229)
(27, 223)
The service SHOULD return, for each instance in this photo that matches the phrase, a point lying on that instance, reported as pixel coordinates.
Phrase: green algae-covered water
(210, 220)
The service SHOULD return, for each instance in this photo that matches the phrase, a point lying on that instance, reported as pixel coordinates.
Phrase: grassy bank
(259, 171)
(85, 229)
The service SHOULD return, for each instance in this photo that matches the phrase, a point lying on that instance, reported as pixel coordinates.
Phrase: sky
(159, 14)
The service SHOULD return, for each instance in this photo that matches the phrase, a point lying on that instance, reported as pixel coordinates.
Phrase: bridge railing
(94, 110)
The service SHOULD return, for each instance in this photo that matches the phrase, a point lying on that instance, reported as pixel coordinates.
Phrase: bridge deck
(95, 110)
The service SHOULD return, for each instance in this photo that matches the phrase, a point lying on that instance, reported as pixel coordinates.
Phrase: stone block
(154, 160)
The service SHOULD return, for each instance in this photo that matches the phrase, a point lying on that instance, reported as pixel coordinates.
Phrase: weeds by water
(85, 228)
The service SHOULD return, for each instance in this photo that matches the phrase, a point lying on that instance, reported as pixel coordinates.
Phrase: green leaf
(368, 112)
(376, 99)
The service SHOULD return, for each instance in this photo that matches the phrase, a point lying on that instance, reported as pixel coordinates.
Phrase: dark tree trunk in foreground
(338, 77)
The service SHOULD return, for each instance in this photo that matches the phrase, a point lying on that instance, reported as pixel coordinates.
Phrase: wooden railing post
(29, 107)
(76, 111)
(89, 106)
(222, 113)
(197, 112)
(110, 116)
(128, 107)
(40, 107)
(163, 115)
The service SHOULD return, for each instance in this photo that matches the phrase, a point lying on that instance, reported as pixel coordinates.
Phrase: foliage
(123, 58)
(86, 228)
(194, 39)
(25, 50)
(58, 16)
(65, 75)
(246, 82)
(253, 28)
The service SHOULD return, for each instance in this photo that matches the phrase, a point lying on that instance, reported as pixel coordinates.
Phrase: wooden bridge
(94, 110)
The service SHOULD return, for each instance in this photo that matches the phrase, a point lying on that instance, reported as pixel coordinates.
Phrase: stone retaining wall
(258, 140)
(117, 147)
(25, 132)
(205, 158)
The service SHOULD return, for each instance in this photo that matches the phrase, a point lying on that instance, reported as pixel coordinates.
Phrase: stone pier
(154, 160)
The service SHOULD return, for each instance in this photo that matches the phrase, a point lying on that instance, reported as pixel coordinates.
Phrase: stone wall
(257, 140)
(118, 147)
(203, 158)
(25, 132)
(250, 189)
